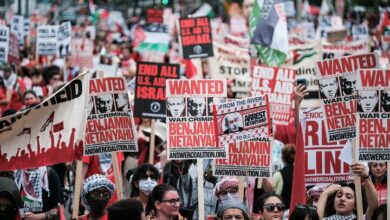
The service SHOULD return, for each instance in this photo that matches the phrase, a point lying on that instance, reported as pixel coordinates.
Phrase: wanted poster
(337, 89)
(195, 37)
(246, 158)
(47, 40)
(322, 157)
(232, 63)
(150, 92)
(64, 36)
(241, 120)
(191, 133)
(110, 125)
(4, 44)
(278, 84)
(373, 115)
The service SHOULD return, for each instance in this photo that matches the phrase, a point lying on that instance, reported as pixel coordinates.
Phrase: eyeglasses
(303, 206)
(146, 176)
(172, 202)
(270, 207)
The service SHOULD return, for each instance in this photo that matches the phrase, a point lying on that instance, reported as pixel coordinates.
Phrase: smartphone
(302, 82)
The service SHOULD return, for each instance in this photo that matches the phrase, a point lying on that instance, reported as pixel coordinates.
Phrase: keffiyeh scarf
(341, 217)
(94, 182)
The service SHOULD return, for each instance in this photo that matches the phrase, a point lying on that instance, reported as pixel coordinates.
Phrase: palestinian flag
(268, 31)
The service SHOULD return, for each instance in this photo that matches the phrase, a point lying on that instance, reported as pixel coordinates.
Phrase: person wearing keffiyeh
(338, 201)
(97, 190)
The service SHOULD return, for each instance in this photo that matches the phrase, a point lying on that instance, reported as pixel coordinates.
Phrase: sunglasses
(271, 207)
(145, 176)
(303, 206)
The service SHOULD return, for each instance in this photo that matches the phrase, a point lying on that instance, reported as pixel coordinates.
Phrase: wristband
(365, 177)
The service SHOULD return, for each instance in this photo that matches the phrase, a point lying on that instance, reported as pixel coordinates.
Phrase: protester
(14, 82)
(313, 194)
(164, 203)
(270, 206)
(30, 99)
(232, 209)
(339, 200)
(378, 173)
(227, 189)
(41, 191)
(380, 213)
(306, 212)
(97, 191)
(143, 181)
(126, 209)
(5, 96)
(282, 179)
(10, 200)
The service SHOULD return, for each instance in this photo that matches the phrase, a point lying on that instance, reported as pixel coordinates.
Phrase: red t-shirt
(94, 168)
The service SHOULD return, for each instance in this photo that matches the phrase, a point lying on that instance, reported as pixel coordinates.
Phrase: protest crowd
(225, 109)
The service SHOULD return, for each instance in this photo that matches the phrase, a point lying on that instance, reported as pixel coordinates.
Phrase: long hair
(157, 194)
(384, 178)
(329, 206)
(142, 169)
(300, 213)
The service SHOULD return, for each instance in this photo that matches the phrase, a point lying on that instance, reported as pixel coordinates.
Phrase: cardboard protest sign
(20, 26)
(337, 89)
(82, 53)
(232, 63)
(238, 25)
(4, 44)
(190, 124)
(278, 84)
(110, 125)
(246, 158)
(331, 51)
(302, 58)
(150, 92)
(241, 120)
(195, 37)
(322, 157)
(373, 115)
(44, 135)
(360, 32)
(236, 41)
(13, 49)
(47, 40)
(64, 36)
(154, 15)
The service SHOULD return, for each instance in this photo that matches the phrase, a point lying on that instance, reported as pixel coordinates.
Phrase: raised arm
(324, 197)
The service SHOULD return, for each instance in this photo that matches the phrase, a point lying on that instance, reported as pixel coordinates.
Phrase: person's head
(342, 202)
(122, 102)
(144, 179)
(52, 74)
(348, 84)
(247, 6)
(227, 189)
(329, 87)
(380, 213)
(367, 100)
(104, 103)
(270, 206)
(163, 201)
(196, 106)
(30, 98)
(385, 100)
(314, 193)
(232, 209)
(7, 71)
(378, 170)
(126, 208)
(175, 106)
(97, 191)
(288, 154)
(304, 212)
(233, 122)
(10, 200)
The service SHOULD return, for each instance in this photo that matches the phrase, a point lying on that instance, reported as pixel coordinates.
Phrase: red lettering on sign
(106, 85)
(195, 87)
(375, 78)
(346, 64)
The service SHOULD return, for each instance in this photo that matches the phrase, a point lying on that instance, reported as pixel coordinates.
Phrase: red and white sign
(82, 52)
(190, 124)
(337, 88)
(373, 106)
(278, 84)
(322, 157)
(241, 120)
(336, 50)
(45, 134)
(110, 124)
(246, 158)
(13, 49)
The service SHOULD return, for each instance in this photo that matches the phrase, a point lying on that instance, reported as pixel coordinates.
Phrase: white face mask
(228, 196)
(146, 186)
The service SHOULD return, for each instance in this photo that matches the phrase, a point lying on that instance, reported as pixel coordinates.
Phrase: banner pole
(77, 189)
(241, 188)
(358, 185)
(151, 141)
(200, 189)
(117, 175)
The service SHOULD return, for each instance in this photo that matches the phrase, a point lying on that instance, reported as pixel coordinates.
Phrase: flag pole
(77, 189)
(200, 189)
(151, 141)
(358, 185)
